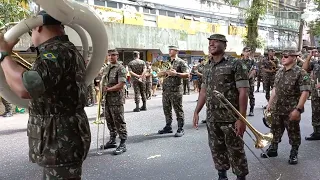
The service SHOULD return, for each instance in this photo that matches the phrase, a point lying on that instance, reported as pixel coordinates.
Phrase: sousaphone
(74, 15)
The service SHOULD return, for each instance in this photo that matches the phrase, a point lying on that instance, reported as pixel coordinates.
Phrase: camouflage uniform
(226, 77)
(91, 95)
(114, 100)
(259, 74)
(288, 87)
(250, 67)
(148, 83)
(299, 63)
(137, 66)
(7, 108)
(58, 127)
(268, 77)
(200, 69)
(172, 96)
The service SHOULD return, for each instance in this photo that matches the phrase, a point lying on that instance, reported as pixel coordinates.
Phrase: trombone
(98, 120)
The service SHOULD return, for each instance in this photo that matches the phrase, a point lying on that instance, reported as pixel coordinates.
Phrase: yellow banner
(133, 18)
(232, 30)
(109, 14)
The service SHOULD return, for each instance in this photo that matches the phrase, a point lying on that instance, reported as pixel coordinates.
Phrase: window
(171, 14)
(149, 11)
(112, 4)
(99, 3)
(153, 11)
(162, 12)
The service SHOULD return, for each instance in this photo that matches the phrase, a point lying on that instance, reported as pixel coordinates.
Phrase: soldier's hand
(318, 86)
(172, 73)
(195, 120)
(105, 89)
(240, 128)
(295, 115)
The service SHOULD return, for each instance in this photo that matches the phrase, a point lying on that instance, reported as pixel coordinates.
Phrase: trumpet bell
(267, 118)
(263, 140)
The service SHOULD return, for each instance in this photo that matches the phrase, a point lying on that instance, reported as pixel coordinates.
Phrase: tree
(314, 27)
(12, 11)
(256, 11)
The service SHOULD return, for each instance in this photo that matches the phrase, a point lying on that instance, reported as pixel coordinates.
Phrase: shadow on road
(12, 131)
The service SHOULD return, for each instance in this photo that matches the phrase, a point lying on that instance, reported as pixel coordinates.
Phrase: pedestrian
(58, 127)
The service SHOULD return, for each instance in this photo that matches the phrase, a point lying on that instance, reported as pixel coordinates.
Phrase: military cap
(174, 48)
(47, 19)
(219, 37)
(271, 49)
(246, 49)
(290, 52)
(136, 52)
(201, 59)
(113, 51)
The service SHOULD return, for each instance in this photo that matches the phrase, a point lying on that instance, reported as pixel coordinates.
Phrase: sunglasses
(285, 56)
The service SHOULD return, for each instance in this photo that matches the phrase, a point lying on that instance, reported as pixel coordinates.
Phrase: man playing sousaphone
(289, 94)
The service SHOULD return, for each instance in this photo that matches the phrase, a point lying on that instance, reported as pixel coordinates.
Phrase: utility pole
(303, 6)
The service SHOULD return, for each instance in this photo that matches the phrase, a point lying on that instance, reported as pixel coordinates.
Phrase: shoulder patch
(50, 56)
(123, 70)
(244, 67)
(306, 77)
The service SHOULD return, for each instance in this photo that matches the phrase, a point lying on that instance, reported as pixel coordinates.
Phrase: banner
(109, 14)
(133, 18)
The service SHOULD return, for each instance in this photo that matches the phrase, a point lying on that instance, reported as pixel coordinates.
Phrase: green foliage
(12, 11)
(315, 25)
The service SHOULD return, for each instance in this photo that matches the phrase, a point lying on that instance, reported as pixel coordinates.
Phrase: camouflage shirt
(174, 83)
(314, 68)
(288, 87)
(149, 78)
(270, 64)
(299, 63)
(226, 77)
(58, 128)
(137, 66)
(200, 69)
(115, 73)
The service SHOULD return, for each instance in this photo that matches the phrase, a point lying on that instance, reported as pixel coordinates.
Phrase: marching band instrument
(262, 140)
(274, 66)
(24, 63)
(164, 67)
(267, 118)
(74, 15)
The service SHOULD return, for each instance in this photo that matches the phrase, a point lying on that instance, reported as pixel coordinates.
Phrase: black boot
(293, 158)
(204, 121)
(110, 144)
(7, 114)
(272, 151)
(241, 178)
(315, 135)
(251, 111)
(121, 148)
(167, 129)
(137, 109)
(222, 175)
(144, 106)
(179, 133)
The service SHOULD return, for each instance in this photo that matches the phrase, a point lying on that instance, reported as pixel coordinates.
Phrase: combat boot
(6, 114)
(251, 111)
(167, 129)
(144, 106)
(293, 158)
(222, 175)
(137, 109)
(241, 177)
(272, 151)
(121, 148)
(315, 135)
(111, 143)
(179, 133)
(204, 121)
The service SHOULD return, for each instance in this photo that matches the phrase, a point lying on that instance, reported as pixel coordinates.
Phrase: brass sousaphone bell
(267, 118)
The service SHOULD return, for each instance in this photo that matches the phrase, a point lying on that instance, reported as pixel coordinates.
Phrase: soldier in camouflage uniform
(259, 73)
(172, 92)
(200, 70)
(186, 82)
(91, 93)
(115, 79)
(269, 67)
(290, 92)
(251, 66)
(230, 77)
(58, 128)
(137, 69)
(314, 68)
(7, 108)
(148, 80)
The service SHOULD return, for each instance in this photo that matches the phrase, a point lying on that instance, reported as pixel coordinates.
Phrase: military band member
(251, 66)
(148, 80)
(137, 69)
(200, 70)
(289, 94)
(230, 77)
(186, 82)
(259, 73)
(114, 82)
(314, 68)
(269, 67)
(58, 128)
(172, 92)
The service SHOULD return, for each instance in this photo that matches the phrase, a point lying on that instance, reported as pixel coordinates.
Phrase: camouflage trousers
(268, 81)
(7, 105)
(259, 80)
(62, 173)
(251, 96)
(227, 148)
(186, 86)
(315, 105)
(139, 88)
(91, 96)
(279, 124)
(148, 89)
(169, 100)
(115, 121)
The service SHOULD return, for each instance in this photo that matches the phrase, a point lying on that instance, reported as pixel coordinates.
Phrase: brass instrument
(267, 118)
(274, 66)
(98, 120)
(24, 63)
(164, 67)
(262, 140)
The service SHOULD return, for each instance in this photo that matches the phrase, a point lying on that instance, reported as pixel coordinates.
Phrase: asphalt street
(161, 157)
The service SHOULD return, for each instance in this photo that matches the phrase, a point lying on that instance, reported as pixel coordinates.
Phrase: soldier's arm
(242, 84)
(131, 72)
(305, 88)
(144, 72)
(13, 74)
(202, 94)
(307, 65)
(47, 74)
(273, 91)
(122, 72)
(184, 71)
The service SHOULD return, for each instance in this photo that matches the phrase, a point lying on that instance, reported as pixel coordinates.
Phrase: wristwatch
(3, 55)
(300, 110)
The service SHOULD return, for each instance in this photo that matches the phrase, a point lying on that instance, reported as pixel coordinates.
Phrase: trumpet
(262, 140)
(98, 120)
